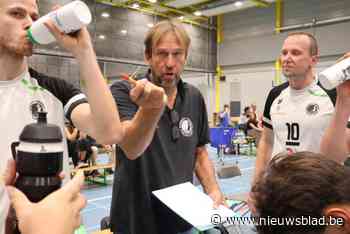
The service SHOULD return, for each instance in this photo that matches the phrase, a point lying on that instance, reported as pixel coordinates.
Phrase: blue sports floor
(99, 197)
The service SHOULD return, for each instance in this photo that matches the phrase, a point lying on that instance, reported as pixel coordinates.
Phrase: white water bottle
(335, 75)
(69, 18)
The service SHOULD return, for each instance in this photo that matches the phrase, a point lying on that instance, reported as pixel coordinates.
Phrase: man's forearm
(262, 159)
(104, 115)
(256, 128)
(139, 131)
(205, 172)
(334, 142)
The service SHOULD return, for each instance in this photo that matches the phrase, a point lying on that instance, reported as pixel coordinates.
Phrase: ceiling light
(102, 37)
(105, 15)
(135, 5)
(152, 1)
(181, 17)
(150, 25)
(197, 13)
(124, 31)
(238, 4)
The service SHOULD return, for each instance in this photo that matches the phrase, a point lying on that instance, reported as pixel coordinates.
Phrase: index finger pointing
(74, 186)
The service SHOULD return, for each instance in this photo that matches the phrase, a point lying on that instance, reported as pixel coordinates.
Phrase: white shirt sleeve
(4, 207)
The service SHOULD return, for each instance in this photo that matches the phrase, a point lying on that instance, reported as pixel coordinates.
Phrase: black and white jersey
(298, 118)
(23, 97)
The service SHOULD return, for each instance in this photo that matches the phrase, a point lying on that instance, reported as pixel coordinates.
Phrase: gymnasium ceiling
(197, 12)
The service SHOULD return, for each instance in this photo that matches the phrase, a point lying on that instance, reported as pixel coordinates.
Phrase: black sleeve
(120, 91)
(273, 94)
(267, 117)
(67, 93)
(203, 126)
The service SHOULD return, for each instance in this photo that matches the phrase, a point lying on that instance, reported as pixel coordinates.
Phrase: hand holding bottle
(65, 24)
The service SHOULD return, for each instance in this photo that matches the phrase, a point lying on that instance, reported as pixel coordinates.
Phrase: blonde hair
(313, 42)
(162, 28)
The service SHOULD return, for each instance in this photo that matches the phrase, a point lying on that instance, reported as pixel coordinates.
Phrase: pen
(131, 79)
(126, 77)
(133, 82)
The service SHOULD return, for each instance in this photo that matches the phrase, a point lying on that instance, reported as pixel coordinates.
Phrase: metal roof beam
(152, 12)
(172, 9)
(261, 3)
(184, 3)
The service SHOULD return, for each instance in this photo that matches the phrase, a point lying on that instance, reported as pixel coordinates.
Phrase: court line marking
(99, 198)
(247, 168)
(88, 210)
(92, 228)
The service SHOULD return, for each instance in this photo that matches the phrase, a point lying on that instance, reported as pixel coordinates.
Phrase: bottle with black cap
(39, 158)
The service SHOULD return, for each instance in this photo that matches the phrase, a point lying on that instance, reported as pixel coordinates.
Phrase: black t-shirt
(164, 163)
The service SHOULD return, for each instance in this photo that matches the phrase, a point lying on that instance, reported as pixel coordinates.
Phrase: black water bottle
(39, 158)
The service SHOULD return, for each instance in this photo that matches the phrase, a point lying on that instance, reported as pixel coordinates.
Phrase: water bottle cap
(30, 36)
(41, 132)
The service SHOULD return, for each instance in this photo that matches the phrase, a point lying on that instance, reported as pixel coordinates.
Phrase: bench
(100, 179)
(106, 231)
(247, 141)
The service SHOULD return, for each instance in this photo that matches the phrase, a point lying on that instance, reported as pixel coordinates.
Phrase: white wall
(229, 90)
(249, 36)
(254, 84)
(204, 82)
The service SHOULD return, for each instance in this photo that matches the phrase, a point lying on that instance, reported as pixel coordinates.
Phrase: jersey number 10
(293, 131)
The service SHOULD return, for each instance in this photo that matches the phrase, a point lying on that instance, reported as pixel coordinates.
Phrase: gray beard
(158, 81)
(296, 77)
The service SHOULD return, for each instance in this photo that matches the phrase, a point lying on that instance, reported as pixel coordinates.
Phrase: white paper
(192, 205)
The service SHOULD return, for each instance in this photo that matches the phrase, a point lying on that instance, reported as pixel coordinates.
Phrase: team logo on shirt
(312, 109)
(186, 127)
(279, 101)
(35, 107)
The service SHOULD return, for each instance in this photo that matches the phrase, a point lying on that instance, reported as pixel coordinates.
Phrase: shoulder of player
(276, 91)
(47, 82)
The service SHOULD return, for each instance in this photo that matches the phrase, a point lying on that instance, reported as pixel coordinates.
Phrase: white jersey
(21, 99)
(298, 118)
(4, 206)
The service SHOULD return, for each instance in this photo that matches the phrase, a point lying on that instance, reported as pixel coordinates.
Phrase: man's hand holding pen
(145, 94)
